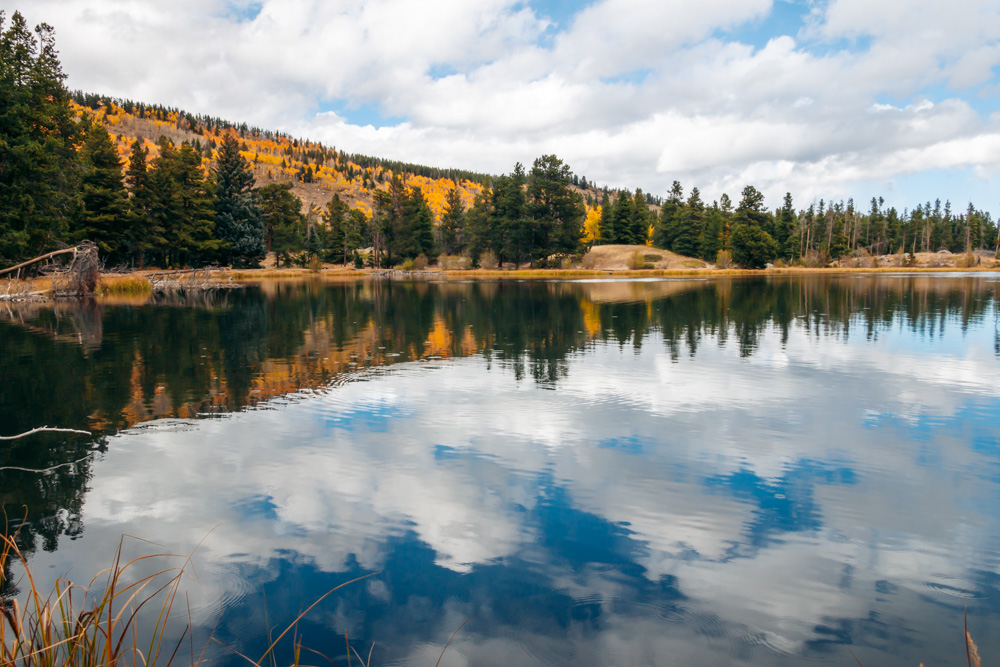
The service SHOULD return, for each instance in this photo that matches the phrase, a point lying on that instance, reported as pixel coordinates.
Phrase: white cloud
(628, 92)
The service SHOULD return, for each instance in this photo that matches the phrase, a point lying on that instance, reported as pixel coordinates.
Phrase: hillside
(316, 172)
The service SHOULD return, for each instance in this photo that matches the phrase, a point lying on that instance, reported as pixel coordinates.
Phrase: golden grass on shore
(129, 284)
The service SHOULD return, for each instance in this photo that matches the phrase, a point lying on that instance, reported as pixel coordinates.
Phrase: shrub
(966, 261)
(652, 257)
(407, 265)
(813, 259)
(753, 248)
(420, 262)
(454, 262)
(315, 264)
(588, 261)
(636, 261)
(488, 260)
(359, 262)
(723, 259)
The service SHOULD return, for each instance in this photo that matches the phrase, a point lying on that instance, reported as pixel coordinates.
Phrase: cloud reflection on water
(713, 505)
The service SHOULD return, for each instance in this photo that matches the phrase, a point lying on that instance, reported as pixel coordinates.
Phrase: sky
(821, 98)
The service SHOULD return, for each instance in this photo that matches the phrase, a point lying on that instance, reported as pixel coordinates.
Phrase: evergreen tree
(104, 218)
(667, 228)
(752, 246)
(355, 230)
(479, 226)
(606, 226)
(335, 221)
(639, 221)
(557, 212)
(417, 235)
(238, 220)
(389, 227)
(710, 241)
(452, 223)
(751, 210)
(621, 218)
(38, 133)
(314, 240)
(281, 213)
(143, 235)
(784, 228)
(183, 206)
(514, 234)
(726, 227)
(690, 219)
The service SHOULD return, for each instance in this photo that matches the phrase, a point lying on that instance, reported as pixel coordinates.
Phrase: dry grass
(112, 621)
(131, 284)
(621, 257)
(74, 626)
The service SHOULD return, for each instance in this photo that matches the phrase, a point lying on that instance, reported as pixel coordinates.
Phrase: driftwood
(85, 269)
(41, 258)
(177, 272)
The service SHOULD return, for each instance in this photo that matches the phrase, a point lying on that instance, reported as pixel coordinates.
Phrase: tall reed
(112, 621)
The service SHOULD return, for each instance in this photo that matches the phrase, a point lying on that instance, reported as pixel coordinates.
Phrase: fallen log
(40, 258)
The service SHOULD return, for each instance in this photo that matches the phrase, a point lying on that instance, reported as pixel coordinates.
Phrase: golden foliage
(278, 159)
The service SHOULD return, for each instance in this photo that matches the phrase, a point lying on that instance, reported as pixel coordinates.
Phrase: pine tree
(238, 221)
(143, 235)
(639, 220)
(104, 218)
(606, 226)
(514, 233)
(452, 223)
(784, 229)
(281, 213)
(417, 235)
(335, 220)
(710, 242)
(621, 218)
(556, 211)
(183, 206)
(752, 246)
(39, 165)
(667, 228)
(690, 219)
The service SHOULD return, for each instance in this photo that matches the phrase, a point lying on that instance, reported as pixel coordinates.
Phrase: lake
(764, 471)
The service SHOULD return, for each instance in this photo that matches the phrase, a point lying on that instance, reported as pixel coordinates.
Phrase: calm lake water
(758, 471)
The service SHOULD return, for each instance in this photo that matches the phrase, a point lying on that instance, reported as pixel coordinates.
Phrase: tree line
(62, 181)
(755, 235)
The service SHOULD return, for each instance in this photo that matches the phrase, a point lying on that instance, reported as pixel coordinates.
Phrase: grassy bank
(131, 284)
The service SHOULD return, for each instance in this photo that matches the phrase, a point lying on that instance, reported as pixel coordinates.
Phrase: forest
(205, 191)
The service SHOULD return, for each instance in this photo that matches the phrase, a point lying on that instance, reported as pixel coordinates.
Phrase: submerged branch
(44, 429)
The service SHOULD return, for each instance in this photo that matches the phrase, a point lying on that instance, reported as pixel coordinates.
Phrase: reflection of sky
(819, 492)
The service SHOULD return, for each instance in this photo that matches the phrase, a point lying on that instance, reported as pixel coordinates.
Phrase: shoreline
(187, 281)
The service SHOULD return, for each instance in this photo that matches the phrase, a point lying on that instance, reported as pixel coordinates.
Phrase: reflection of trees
(103, 368)
(138, 363)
